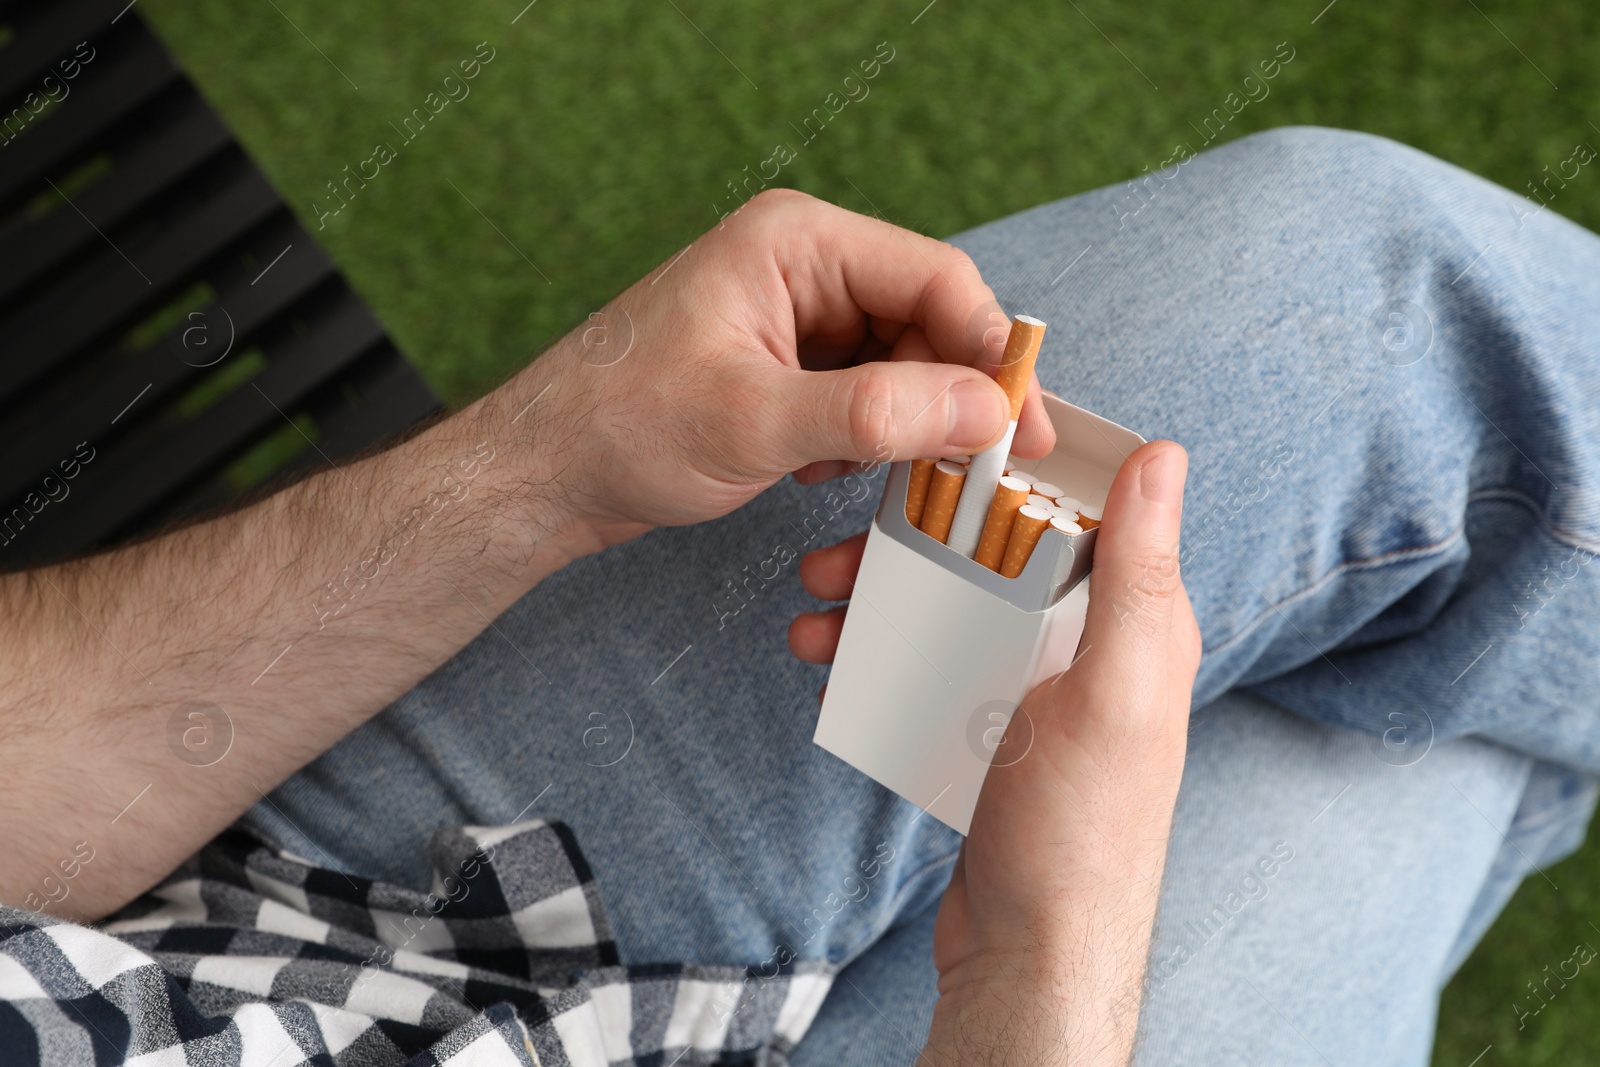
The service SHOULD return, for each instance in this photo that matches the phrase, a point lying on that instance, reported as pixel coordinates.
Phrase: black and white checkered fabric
(250, 956)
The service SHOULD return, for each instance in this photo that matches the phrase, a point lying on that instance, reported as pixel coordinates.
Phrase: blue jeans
(1385, 371)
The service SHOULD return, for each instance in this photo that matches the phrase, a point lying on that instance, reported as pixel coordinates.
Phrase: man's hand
(1042, 936)
(156, 692)
(697, 388)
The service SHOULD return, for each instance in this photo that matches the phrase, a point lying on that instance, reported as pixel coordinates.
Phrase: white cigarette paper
(983, 471)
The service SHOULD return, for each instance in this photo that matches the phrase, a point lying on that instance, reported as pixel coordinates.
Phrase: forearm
(298, 617)
(683, 399)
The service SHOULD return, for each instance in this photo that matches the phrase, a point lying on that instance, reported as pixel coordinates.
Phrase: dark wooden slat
(47, 32)
(108, 290)
(179, 205)
(115, 84)
(37, 436)
(144, 168)
(392, 398)
(119, 486)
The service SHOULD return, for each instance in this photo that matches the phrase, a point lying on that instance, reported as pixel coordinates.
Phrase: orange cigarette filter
(1089, 516)
(1016, 366)
(917, 491)
(1009, 496)
(1025, 530)
(944, 489)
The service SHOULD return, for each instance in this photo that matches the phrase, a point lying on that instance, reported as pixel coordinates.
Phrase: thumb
(882, 411)
(1135, 588)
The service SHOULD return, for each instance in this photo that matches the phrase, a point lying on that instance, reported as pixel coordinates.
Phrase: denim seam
(1409, 555)
(1561, 535)
(1387, 559)
(1570, 538)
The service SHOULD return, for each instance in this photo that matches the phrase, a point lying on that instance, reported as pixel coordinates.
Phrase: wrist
(544, 479)
(1036, 1009)
(992, 1013)
(1064, 986)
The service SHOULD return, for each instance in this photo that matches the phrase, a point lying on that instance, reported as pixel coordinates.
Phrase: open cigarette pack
(938, 650)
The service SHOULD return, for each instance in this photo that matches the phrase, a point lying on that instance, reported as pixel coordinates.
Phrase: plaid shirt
(248, 955)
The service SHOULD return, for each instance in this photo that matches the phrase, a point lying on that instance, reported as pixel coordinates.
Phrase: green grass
(601, 135)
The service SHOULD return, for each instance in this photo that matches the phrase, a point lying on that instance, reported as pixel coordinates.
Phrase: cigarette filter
(1089, 515)
(944, 489)
(1044, 488)
(1016, 365)
(1019, 473)
(1029, 524)
(917, 491)
(983, 473)
(937, 650)
(1040, 502)
(1065, 524)
(1009, 496)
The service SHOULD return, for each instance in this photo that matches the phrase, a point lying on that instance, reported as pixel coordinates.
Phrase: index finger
(846, 273)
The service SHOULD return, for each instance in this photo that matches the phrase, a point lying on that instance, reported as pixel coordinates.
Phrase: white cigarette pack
(938, 651)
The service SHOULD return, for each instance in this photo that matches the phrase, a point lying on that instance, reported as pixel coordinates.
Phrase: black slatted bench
(170, 336)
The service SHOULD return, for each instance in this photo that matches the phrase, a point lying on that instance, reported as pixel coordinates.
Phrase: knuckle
(957, 259)
(871, 408)
(1142, 590)
(1153, 572)
(776, 199)
(771, 216)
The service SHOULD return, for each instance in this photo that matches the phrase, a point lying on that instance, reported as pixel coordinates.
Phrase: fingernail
(978, 411)
(1161, 479)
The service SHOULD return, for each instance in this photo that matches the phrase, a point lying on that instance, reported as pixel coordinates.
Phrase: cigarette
(1040, 501)
(1022, 474)
(1025, 530)
(1089, 516)
(983, 473)
(917, 491)
(944, 489)
(1009, 496)
(1046, 489)
(963, 460)
(1069, 503)
(1065, 524)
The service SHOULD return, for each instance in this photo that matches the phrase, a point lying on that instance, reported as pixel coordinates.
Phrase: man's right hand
(794, 337)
